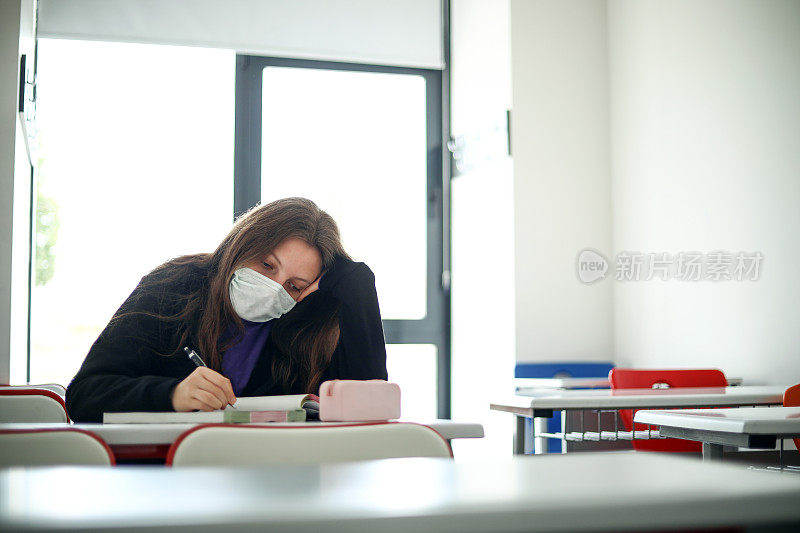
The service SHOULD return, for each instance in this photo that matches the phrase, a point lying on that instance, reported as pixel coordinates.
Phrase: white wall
(482, 224)
(705, 123)
(561, 177)
(9, 45)
(16, 38)
(658, 126)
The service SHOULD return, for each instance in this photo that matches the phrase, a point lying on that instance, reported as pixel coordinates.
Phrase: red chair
(791, 398)
(23, 404)
(625, 378)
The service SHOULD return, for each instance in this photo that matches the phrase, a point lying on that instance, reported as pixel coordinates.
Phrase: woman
(278, 308)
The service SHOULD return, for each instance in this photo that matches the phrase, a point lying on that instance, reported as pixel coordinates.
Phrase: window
(364, 142)
(413, 368)
(354, 142)
(136, 153)
(136, 167)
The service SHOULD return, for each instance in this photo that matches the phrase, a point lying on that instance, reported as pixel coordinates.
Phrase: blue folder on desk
(560, 370)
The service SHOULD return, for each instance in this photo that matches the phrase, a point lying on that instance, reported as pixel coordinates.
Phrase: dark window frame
(434, 328)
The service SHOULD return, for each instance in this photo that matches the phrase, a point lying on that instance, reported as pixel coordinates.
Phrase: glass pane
(413, 367)
(354, 142)
(136, 167)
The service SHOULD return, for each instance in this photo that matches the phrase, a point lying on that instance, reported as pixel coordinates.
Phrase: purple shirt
(240, 359)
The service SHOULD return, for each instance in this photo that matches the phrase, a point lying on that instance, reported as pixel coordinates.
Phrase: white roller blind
(388, 32)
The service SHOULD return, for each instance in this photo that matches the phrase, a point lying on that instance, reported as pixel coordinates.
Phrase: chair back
(791, 398)
(226, 444)
(50, 447)
(55, 387)
(563, 369)
(22, 404)
(627, 378)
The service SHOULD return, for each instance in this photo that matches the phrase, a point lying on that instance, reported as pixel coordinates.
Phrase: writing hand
(203, 389)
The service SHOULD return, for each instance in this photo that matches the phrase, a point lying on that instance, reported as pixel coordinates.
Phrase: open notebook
(286, 408)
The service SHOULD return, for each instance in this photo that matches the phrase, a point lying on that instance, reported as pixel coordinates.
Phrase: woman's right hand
(203, 389)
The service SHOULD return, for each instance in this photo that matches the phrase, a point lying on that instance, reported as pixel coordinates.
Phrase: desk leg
(712, 452)
(540, 443)
(519, 435)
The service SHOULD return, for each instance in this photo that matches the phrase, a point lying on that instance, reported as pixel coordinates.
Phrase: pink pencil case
(347, 400)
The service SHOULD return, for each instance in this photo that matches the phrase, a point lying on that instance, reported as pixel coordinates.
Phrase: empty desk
(544, 403)
(747, 427)
(524, 386)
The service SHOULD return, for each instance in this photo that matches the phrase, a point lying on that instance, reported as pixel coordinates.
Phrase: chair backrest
(49, 447)
(627, 378)
(564, 369)
(55, 387)
(226, 444)
(791, 398)
(18, 404)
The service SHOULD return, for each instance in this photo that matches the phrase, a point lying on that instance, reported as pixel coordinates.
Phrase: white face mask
(257, 298)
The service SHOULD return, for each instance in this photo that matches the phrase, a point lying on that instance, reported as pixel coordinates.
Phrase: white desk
(544, 403)
(151, 441)
(580, 492)
(560, 383)
(526, 386)
(749, 427)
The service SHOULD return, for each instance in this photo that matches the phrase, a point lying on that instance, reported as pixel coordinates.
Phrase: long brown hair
(304, 339)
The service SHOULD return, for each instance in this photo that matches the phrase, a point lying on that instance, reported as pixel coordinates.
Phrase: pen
(193, 357)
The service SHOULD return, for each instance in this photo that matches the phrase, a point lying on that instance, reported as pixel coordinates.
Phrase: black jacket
(127, 370)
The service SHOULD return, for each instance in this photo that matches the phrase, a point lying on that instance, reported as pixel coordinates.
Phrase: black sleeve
(120, 371)
(361, 351)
